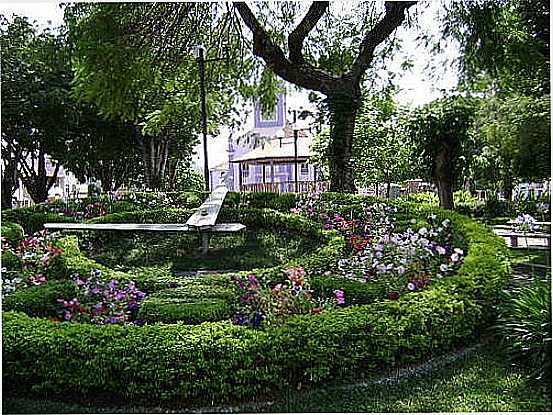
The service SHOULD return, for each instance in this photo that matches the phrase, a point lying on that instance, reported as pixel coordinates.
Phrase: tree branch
(304, 74)
(298, 35)
(395, 14)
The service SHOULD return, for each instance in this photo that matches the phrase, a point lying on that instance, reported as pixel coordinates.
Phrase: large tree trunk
(37, 182)
(343, 109)
(7, 193)
(9, 179)
(443, 175)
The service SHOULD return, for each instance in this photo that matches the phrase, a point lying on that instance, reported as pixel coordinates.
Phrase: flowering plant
(524, 223)
(31, 262)
(271, 306)
(101, 302)
(405, 261)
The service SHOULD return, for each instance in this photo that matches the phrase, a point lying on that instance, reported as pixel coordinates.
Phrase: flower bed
(222, 361)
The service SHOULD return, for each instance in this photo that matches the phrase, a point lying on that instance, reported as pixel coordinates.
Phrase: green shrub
(39, 300)
(356, 292)
(32, 219)
(13, 233)
(524, 327)
(191, 305)
(218, 361)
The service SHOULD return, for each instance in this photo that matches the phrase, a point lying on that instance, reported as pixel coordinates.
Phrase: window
(245, 171)
(304, 169)
(269, 114)
(281, 168)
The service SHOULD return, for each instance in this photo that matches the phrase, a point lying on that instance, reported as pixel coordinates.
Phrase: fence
(286, 187)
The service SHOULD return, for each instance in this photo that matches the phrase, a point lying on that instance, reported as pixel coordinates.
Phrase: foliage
(525, 328)
(514, 141)
(381, 150)
(191, 304)
(504, 43)
(242, 362)
(441, 133)
(12, 232)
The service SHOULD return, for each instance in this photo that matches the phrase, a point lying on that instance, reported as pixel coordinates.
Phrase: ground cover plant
(315, 322)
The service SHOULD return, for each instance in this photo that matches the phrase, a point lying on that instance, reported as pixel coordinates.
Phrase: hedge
(13, 232)
(191, 305)
(32, 219)
(220, 362)
(40, 300)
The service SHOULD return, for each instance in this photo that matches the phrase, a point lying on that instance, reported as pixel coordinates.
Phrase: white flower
(432, 217)
(439, 275)
(423, 231)
(411, 286)
(458, 251)
(454, 257)
(413, 221)
(446, 223)
(443, 268)
(440, 250)
(400, 269)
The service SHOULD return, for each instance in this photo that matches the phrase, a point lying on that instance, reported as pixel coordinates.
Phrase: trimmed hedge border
(221, 362)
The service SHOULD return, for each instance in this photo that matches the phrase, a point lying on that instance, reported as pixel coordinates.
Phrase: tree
(381, 149)
(121, 69)
(342, 90)
(515, 140)
(381, 152)
(442, 133)
(105, 150)
(332, 59)
(35, 109)
(504, 44)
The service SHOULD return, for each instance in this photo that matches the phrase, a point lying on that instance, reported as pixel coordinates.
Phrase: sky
(416, 87)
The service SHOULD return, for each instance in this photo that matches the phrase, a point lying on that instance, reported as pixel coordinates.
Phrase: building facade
(271, 157)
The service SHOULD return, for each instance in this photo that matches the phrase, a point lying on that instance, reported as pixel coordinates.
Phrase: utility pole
(201, 67)
(295, 152)
(200, 57)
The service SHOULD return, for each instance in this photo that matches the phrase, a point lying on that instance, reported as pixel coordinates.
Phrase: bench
(513, 237)
(202, 221)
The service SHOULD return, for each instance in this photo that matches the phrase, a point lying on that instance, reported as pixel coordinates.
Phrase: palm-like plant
(525, 328)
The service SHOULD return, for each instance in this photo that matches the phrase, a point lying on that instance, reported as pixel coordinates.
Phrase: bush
(219, 361)
(525, 328)
(191, 305)
(40, 300)
(13, 232)
(32, 219)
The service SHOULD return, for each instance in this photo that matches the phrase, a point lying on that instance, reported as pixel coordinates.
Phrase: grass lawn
(480, 382)
(243, 251)
(534, 256)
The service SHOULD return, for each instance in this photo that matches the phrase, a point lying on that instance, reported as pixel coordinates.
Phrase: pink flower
(340, 296)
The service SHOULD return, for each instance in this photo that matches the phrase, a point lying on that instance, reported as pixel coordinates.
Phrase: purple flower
(340, 296)
(112, 284)
(120, 295)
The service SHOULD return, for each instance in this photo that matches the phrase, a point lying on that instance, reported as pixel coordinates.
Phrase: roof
(221, 166)
(280, 149)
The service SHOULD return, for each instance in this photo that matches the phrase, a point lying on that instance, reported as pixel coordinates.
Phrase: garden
(408, 271)
(366, 286)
